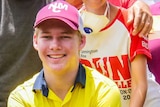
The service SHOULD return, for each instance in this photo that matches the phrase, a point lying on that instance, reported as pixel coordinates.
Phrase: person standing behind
(114, 51)
(63, 81)
(139, 13)
(154, 40)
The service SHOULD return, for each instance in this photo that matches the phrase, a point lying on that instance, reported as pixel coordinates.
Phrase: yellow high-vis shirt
(91, 89)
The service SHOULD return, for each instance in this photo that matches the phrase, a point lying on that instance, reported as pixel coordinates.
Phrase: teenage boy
(63, 81)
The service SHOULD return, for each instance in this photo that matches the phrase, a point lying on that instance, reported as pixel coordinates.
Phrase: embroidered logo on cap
(57, 7)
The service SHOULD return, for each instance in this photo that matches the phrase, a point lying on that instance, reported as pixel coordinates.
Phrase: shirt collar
(40, 83)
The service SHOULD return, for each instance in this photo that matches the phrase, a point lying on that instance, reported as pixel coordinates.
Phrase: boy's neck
(61, 84)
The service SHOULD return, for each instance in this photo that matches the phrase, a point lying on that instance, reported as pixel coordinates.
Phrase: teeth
(56, 56)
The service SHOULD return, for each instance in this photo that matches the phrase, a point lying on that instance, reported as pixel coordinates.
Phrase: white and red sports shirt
(111, 51)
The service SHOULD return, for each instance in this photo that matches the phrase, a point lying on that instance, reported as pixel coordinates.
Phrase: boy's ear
(82, 42)
(35, 42)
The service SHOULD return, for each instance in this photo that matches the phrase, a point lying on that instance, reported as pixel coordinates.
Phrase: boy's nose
(55, 44)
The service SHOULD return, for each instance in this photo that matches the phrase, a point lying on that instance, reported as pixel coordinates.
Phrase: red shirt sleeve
(122, 3)
(138, 45)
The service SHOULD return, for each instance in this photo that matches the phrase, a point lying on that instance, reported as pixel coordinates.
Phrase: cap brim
(70, 23)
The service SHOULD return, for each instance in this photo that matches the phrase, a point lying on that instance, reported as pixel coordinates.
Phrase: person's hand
(140, 15)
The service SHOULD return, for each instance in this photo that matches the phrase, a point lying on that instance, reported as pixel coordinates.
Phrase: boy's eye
(65, 37)
(46, 36)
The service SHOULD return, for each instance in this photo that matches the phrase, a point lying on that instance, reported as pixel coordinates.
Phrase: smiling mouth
(56, 56)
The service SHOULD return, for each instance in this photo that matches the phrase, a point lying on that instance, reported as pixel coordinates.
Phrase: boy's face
(58, 45)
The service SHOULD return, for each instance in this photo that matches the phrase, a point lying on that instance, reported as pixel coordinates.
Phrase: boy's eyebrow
(67, 32)
(63, 32)
(44, 32)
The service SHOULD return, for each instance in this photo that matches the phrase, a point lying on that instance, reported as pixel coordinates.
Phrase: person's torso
(110, 52)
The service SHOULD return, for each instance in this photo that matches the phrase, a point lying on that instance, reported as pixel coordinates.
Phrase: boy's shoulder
(98, 78)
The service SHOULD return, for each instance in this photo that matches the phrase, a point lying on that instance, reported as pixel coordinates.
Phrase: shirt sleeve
(111, 97)
(15, 100)
(139, 45)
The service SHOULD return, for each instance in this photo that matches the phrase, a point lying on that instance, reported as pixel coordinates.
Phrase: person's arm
(139, 13)
(142, 17)
(139, 81)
